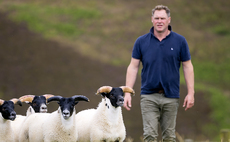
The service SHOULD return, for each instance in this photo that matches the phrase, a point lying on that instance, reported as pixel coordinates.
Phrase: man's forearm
(189, 78)
(131, 76)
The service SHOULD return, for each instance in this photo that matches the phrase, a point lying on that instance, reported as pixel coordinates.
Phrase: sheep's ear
(16, 101)
(103, 94)
(28, 102)
(19, 103)
(76, 103)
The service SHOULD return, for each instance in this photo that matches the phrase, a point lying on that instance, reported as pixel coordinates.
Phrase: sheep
(56, 126)
(106, 122)
(6, 116)
(37, 105)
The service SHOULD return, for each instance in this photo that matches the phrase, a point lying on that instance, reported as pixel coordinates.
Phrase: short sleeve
(185, 53)
(137, 50)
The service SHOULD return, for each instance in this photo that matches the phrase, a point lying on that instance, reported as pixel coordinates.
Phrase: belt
(161, 91)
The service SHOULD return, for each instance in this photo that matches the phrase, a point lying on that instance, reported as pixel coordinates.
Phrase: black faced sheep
(57, 126)
(6, 116)
(37, 105)
(106, 122)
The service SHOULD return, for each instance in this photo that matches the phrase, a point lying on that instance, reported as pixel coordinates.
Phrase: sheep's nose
(121, 99)
(120, 102)
(43, 108)
(13, 113)
(66, 113)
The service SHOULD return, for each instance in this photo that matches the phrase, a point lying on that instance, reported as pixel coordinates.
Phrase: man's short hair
(161, 7)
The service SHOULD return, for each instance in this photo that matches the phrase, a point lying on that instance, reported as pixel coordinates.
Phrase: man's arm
(131, 76)
(189, 79)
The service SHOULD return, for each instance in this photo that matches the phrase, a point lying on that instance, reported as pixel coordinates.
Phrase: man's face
(160, 21)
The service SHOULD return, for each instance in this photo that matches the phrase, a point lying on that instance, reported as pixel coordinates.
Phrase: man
(161, 52)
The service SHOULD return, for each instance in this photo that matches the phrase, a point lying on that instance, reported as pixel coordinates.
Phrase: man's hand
(188, 101)
(127, 101)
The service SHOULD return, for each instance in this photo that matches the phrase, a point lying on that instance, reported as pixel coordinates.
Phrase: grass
(51, 20)
(220, 105)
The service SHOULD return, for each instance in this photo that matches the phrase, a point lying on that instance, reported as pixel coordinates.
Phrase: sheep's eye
(111, 96)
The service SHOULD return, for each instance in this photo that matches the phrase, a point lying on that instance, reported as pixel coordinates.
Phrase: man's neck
(161, 35)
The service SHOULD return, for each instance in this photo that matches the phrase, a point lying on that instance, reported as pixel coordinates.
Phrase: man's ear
(169, 20)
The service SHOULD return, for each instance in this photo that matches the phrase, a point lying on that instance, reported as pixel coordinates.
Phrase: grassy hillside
(104, 31)
(94, 28)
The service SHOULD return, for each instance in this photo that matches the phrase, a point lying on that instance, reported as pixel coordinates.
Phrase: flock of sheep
(104, 124)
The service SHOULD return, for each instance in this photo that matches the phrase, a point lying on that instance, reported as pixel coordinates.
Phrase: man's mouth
(159, 26)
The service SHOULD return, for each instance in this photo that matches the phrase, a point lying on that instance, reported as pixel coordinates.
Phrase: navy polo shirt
(161, 61)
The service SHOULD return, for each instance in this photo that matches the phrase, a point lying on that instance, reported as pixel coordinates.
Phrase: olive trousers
(157, 109)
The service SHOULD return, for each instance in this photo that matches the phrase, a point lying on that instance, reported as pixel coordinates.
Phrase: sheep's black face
(67, 104)
(67, 107)
(7, 110)
(39, 104)
(116, 97)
